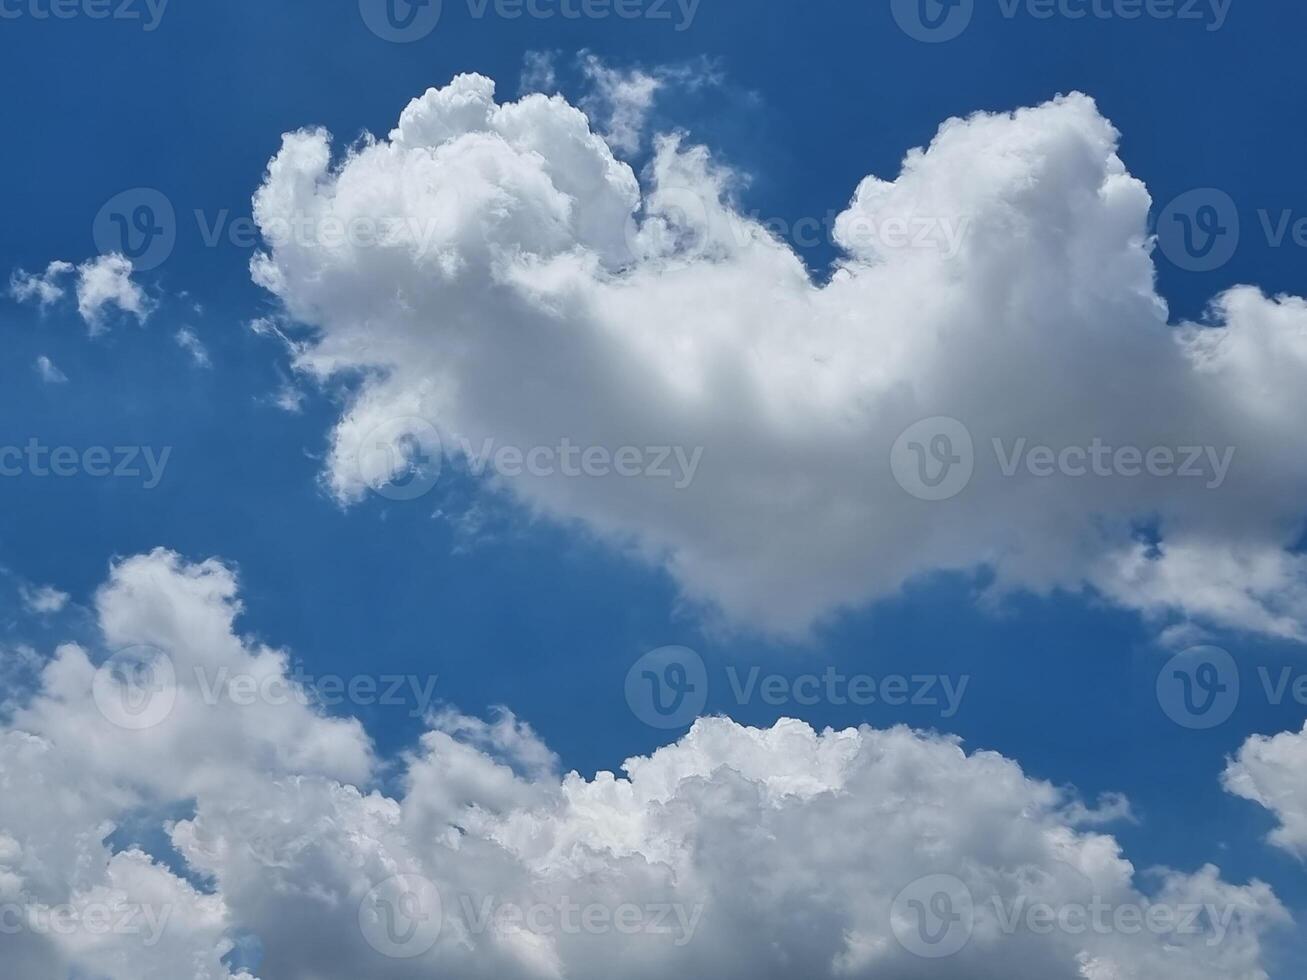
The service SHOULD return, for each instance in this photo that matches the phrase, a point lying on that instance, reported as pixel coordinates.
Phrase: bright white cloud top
(735, 852)
(518, 288)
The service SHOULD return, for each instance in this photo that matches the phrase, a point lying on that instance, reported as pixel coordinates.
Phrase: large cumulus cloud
(529, 290)
(734, 852)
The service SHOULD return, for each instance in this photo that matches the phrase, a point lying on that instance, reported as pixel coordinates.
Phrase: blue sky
(543, 615)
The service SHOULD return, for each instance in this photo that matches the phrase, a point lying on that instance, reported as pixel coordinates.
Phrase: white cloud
(106, 281)
(45, 599)
(1270, 771)
(188, 341)
(618, 102)
(538, 73)
(43, 288)
(102, 282)
(49, 372)
(622, 99)
(731, 834)
(1004, 278)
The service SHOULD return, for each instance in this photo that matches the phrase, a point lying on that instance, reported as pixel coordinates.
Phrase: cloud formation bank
(855, 854)
(987, 380)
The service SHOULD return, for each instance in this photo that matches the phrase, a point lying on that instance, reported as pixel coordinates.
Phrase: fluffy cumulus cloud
(100, 283)
(1272, 771)
(531, 294)
(734, 852)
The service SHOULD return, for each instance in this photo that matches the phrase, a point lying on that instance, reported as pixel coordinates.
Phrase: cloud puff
(734, 852)
(45, 599)
(49, 371)
(43, 288)
(1269, 771)
(532, 294)
(189, 341)
(102, 282)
